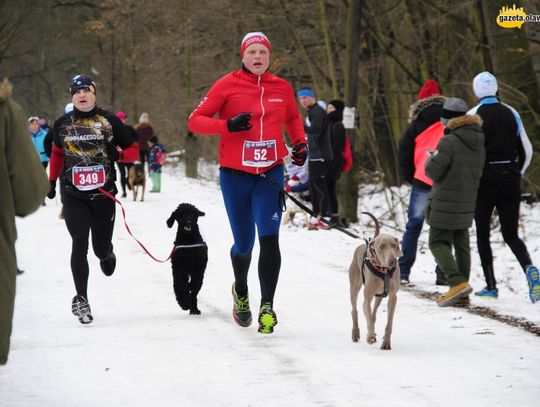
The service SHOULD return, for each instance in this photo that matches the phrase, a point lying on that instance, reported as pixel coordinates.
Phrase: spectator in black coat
(337, 138)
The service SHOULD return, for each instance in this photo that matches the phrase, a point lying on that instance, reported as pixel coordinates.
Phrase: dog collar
(186, 246)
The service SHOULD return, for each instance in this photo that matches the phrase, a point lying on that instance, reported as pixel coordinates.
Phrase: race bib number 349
(88, 178)
(259, 153)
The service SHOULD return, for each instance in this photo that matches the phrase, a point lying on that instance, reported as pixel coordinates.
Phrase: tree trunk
(349, 183)
(114, 73)
(192, 150)
(328, 49)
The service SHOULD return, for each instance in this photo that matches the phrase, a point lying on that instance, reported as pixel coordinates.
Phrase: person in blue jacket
(38, 137)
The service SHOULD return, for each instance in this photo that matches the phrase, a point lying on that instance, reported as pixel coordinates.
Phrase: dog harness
(386, 277)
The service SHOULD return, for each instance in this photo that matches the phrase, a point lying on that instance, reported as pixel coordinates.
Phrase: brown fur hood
(5, 90)
(421, 104)
(472, 137)
(464, 121)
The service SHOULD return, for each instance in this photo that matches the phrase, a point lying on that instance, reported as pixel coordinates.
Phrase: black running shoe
(108, 265)
(81, 309)
(241, 311)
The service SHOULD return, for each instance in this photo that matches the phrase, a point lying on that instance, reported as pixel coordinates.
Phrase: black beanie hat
(338, 104)
(81, 82)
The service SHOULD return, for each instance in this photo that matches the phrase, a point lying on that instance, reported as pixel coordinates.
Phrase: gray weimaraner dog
(375, 266)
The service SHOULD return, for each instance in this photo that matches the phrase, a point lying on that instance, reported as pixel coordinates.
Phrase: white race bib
(88, 178)
(259, 153)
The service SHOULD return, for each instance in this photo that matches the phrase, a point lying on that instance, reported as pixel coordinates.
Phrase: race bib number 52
(88, 178)
(259, 153)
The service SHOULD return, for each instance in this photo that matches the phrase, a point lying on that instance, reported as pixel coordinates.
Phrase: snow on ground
(142, 350)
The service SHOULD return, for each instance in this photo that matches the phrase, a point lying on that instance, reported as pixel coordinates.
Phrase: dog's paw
(355, 335)
(182, 304)
(385, 346)
(195, 311)
(371, 339)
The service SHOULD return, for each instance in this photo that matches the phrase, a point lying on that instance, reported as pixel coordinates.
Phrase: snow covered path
(142, 350)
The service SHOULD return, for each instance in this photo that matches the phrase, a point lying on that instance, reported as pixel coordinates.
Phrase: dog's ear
(399, 252)
(170, 221)
(199, 213)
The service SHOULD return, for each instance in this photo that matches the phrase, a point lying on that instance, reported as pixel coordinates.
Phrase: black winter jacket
(337, 138)
(318, 135)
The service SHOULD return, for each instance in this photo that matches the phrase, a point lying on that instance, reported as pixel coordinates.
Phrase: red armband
(56, 163)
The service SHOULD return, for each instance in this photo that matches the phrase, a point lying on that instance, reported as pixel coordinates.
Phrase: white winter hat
(485, 84)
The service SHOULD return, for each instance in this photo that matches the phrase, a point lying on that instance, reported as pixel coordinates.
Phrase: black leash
(305, 208)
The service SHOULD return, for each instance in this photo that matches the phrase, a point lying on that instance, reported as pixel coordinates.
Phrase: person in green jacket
(24, 185)
(455, 168)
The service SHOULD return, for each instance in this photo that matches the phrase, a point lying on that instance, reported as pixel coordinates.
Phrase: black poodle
(189, 258)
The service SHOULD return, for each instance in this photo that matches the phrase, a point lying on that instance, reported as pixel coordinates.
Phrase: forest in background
(162, 56)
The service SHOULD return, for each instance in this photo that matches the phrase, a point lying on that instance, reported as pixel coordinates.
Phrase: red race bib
(88, 178)
(259, 153)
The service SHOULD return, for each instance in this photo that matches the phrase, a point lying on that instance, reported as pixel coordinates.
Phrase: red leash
(129, 231)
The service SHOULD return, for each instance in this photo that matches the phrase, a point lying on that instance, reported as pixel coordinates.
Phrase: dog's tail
(377, 227)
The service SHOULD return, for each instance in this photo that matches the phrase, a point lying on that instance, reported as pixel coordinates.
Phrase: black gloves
(112, 152)
(239, 122)
(52, 190)
(299, 154)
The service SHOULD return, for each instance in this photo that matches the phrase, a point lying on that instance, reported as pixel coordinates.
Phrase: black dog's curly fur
(188, 263)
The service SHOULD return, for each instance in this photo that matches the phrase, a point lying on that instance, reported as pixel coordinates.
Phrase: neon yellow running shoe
(267, 319)
(241, 311)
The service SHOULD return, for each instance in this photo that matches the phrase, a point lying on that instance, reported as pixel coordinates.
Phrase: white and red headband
(255, 38)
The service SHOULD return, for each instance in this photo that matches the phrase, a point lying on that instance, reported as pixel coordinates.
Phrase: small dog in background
(375, 266)
(295, 217)
(189, 258)
(137, 179)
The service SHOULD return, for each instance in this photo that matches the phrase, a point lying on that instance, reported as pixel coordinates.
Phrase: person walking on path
(123, 167)
(508, 154)
(24, 185)
(320, 157)
(424, 132)
(84, 152)
(253, 106)
(455, 168)
(156, 159)
(145, 131)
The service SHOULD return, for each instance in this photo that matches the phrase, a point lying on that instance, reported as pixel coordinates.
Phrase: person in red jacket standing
(253, 106)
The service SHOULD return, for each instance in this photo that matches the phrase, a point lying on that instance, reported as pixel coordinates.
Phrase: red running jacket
(424, 142)
(271, 101)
